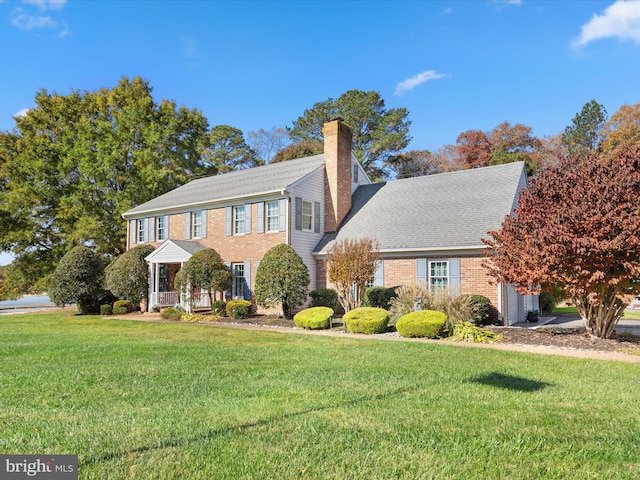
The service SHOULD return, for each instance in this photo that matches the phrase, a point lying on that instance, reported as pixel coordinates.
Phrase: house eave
(208, 203)
(406, 252)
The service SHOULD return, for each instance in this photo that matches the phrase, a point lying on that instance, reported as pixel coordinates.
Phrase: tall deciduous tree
(305, 148)
(585, 132)
(378, 132)
(74, 163)
(227, 150)
(267, 143)
(204, 270)
(515, 143)
(623, 128)
(282, 279)
(352, 264)
(576, 228)
(473, 149)
(414, 163)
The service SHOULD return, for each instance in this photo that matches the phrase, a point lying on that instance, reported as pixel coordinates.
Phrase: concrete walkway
(574, 321)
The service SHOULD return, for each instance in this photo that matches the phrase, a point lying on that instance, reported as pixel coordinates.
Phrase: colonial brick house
(428, 228)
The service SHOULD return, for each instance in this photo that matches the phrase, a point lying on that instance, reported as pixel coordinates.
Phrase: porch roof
(174, 251)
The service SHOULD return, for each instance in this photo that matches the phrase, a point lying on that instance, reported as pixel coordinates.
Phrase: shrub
(128, 275)
(423, 323)
(237, 309)
(120, 310)
(324, 297)
(155, 308)
(315, 318)
(405, 300)
(379, 297)
(282, 279)
(482, 309)
(172, 313)
(78, 278)
(366, 320)
(106, 309)
(124, 303)
(219, 308)
(467, 332)
(204, 270)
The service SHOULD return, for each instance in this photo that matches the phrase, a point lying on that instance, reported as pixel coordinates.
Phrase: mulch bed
(544, 336)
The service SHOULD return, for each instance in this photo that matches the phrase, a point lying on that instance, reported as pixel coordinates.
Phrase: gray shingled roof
(448, 210)
(268, 178)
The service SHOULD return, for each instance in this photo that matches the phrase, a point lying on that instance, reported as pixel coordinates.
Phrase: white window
(307, 215)
(237, 269)
(239, 219)
(142, 230)
(273, 216)
(438, 275)
(162, 233)
(196, 225)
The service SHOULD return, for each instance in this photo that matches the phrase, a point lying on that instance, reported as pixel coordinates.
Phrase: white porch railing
(168, 299)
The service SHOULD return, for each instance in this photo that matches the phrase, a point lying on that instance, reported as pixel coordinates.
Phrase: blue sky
(455, 65)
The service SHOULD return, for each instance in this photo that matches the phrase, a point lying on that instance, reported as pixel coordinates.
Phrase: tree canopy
(282, 279)
(205, 270)
(74, 163)
(576, 228)
(585, 132)
(378, 132)
(227, 150)
(623, 129)
(414, 163)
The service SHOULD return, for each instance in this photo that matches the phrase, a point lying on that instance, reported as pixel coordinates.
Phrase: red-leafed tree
(473, 149)
(577, 227)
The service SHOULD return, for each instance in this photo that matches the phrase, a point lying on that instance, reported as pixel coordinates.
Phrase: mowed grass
(171, 401)
(628, 314)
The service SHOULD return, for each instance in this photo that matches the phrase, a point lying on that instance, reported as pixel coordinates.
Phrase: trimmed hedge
(238, 308)
(324, 297)
(366, 320)
(118, 305)
(314, 318)
(423, 323)
(106, 309)
(219, 307)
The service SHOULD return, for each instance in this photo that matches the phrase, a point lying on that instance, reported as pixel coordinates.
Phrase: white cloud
(47, 4)
(620, 20)
(29, 22)
(21, 113)
(413, 82)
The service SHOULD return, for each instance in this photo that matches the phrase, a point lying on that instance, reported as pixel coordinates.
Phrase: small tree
(205, 270)
(78, 278)
(352, 264)
(128, 275)
(282, 278)
(576, 228)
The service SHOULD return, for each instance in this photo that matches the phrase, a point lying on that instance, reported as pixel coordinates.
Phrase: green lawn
(628, 315)
(171, 401)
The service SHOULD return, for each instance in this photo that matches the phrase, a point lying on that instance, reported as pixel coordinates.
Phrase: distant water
(25, 302)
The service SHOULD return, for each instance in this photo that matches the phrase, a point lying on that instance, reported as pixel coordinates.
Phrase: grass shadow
(510, 382)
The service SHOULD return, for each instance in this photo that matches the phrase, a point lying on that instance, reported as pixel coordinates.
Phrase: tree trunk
(601, 318)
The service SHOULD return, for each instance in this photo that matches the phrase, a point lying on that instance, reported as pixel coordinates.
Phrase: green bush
(128, 275)
(379, 297)
(315, 318)
(324, 297)
(171, 313)
(219, 307)
(423, 323)
(366, 320)
(106, 310)
(238, 308)
(120, 310)
(123, 303)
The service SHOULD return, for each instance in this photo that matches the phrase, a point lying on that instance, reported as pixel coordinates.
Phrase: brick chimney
(337, 165)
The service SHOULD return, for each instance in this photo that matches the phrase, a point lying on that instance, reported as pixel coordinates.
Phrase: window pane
(142, 230)
(239, 216)
(162, 232)
(438, 275)
(307, 215)
(273, 212)
(196, 225)
(238, 280)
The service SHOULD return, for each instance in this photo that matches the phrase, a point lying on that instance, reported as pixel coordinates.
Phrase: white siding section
(303, 242)
(168, 252)
(363, 179)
